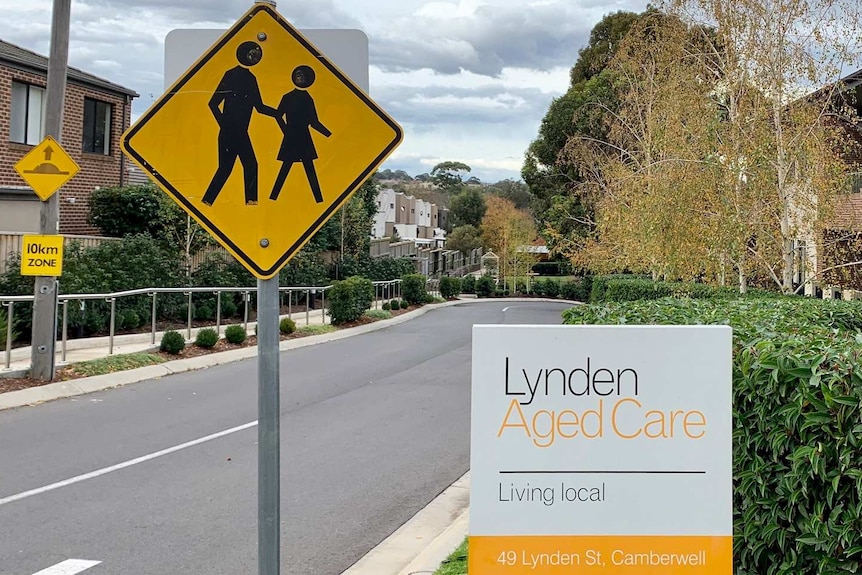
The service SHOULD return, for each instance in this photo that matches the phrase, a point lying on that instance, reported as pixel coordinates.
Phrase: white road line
(117, 467)
(505, 309)
(68, 567)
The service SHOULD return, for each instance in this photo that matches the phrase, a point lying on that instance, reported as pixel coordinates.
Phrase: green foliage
(207, 338)
(560, 268)
(600, 284)
(386, 306)
(286, 326)
(456, 563)
(413, 288)
(467, 208)
(172, 342)
(349, 299)
(468, 284)
(797, 399)
(447, 175)
(128, 319)
(429, 298)
(235, 334)
(450, 287)
(388, 269)
(551, 288)
(464, 239)
(485, 286)
(123, 211)
(405, 304)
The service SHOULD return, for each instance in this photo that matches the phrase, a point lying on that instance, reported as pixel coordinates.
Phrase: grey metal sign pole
(45, 304)
(268, 440)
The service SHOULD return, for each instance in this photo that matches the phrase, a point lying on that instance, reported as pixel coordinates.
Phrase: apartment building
(411, 218)
(96, 113)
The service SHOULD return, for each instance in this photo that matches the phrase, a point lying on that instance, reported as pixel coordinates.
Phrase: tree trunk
(743, 278)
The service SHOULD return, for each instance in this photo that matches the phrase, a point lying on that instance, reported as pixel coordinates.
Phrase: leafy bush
(386, 306)
(207, 338)
(551, 288)
(204, 312)
(405, 304)
(429, 298)
(570, 290)
(413, 288)
(485, 286)
(172, 342)
(548, 268)
(797, 403)
(599, 285)
(386, 269)
(349, 299)
(228, 307)
(450, 287)
(287, 326)
(468, 284)
(128, 210)
(128, 319)
(235, 334)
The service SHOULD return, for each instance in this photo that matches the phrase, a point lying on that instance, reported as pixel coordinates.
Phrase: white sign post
(601, 449)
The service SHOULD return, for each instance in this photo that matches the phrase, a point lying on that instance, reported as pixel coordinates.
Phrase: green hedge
(468, 284)
(485, 286)
(797, 392)
(349, 299)
(450, 287)
(413, 288)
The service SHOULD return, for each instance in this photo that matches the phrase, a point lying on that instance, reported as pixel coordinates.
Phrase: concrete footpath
(417, 548)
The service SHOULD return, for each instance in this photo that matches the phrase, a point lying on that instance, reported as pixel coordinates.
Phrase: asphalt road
(373, 428)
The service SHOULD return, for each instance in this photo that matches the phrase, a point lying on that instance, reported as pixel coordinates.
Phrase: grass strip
(456, 563)
(115, 363)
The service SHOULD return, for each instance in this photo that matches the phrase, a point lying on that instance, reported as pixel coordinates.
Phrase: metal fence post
(113, 301)
(246, 297)
(323, 305)
(65, 328)
(218, 313)
(10, 319)
(307, 321)
(153, 295)
(189, 325)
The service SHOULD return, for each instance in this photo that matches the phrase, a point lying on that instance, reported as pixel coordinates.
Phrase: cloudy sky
(469, 80)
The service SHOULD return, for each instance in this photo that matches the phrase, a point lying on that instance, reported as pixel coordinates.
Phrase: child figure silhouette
(296, 115)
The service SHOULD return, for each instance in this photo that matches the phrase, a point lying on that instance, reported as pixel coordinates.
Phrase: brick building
(96, 114)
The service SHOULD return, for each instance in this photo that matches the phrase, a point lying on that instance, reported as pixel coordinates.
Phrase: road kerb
(423, 539)
(59, 390)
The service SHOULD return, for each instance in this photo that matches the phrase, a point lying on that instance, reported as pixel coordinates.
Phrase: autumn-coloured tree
(506, 230)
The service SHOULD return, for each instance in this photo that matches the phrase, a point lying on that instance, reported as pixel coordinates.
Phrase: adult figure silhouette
(296, 115)
(232, 104)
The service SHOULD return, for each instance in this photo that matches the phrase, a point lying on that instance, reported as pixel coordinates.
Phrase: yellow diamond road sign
(46, 168)
(262, 140)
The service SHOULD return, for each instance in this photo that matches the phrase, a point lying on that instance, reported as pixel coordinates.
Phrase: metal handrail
(64, 299)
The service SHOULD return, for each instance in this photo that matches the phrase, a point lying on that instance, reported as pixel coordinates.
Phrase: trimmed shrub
(485, 286)
(377, 314)
(413, 288)
(429, 298)
(386, 306)
(228, 307)
(599, 284)
(172, 342)
(235, 334)
(797, 403)
(128, 319)
(468, 284)
(450, 287)
(349, 299)
(551, 288)
(287, 326)
(204, 312)
(405, 304)
(570, 290)
(207, 338)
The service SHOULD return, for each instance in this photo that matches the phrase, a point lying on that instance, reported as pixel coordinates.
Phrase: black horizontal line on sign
(603, 472)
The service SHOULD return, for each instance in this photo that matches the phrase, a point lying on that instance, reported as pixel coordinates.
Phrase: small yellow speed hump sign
(42, 256)
(262, 140)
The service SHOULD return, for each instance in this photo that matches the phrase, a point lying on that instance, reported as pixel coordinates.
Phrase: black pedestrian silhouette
(297, 106)
(238, 95)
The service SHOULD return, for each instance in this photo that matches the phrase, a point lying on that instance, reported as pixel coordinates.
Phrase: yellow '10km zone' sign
(42, 256)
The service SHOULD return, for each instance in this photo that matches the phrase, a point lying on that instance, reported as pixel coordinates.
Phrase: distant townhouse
(409, 217)
(96, 113)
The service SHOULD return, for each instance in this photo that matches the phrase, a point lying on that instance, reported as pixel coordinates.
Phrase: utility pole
(45, 304)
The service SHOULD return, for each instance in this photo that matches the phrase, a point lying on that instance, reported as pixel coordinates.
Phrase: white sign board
(347, 49)
(602, 449)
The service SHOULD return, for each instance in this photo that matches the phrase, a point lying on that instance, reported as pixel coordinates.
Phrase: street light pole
(45, 292)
